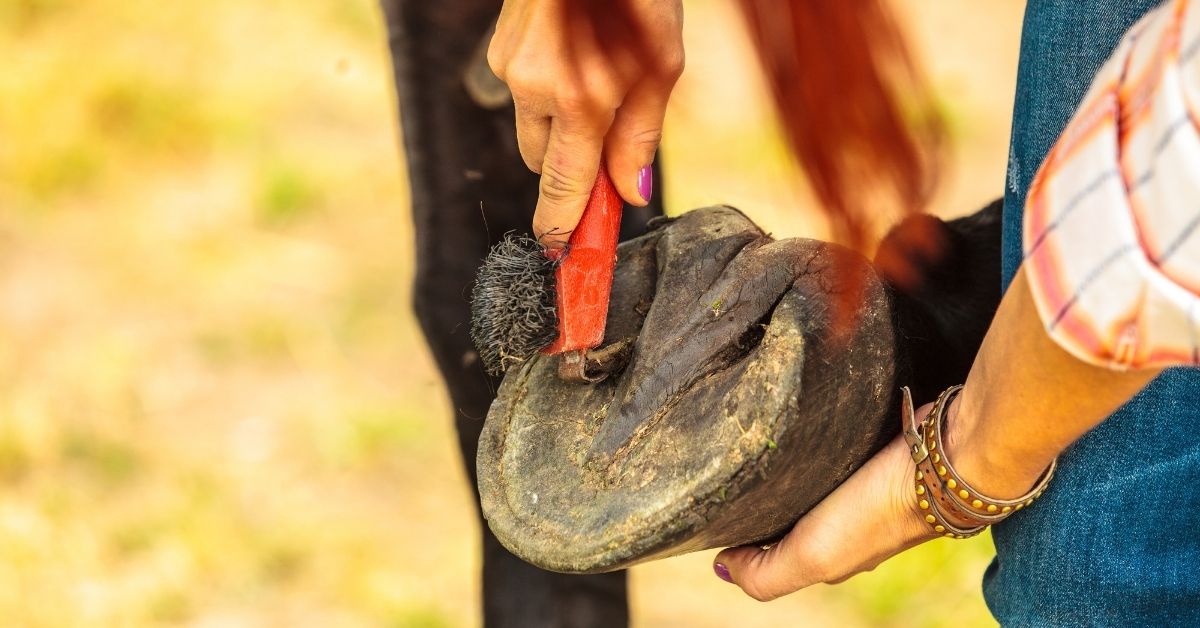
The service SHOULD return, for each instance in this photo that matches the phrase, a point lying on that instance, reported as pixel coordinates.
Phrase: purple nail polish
(646, 182)
(722, 572)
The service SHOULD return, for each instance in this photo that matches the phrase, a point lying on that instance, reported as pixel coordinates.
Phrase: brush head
(513, 313)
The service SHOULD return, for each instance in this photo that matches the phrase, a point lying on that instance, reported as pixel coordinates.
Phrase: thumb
(568, 173)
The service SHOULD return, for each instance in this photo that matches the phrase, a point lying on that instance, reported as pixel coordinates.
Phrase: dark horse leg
(462, 164)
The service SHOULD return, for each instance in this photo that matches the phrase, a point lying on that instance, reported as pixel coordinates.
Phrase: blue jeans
(1115, 541)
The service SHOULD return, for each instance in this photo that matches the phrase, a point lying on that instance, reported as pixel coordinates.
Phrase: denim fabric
(1115, 541)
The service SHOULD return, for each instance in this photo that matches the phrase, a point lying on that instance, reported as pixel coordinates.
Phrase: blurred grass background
(215, 406)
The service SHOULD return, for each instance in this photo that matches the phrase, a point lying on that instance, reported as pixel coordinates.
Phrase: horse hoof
(759, 377)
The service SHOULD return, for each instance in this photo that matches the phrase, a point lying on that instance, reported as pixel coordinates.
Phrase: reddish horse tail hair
(857, 113)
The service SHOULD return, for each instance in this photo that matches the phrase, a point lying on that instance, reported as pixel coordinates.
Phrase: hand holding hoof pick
(590, 81)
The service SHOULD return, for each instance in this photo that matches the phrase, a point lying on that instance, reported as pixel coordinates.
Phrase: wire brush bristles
(513, 312)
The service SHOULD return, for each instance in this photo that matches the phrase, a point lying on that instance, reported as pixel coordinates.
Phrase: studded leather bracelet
(948, 504)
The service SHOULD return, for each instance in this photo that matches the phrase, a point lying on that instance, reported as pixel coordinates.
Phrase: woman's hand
(588, 77)
(869, 518)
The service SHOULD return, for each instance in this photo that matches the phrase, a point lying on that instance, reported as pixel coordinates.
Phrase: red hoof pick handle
(583, 280)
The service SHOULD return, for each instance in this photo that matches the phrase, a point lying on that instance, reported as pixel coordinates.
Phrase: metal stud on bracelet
(952, 507)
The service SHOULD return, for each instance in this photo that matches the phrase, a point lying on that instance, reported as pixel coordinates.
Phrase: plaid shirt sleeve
(1111, 240)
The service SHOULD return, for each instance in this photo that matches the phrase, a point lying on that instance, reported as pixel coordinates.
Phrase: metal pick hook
(572, 367)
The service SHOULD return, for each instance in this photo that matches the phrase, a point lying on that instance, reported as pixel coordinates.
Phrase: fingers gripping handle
(584, 276)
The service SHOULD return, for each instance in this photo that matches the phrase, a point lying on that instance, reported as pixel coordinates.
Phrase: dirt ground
(215, 407)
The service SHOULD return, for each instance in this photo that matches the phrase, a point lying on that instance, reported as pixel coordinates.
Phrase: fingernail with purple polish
(722, 572)
(646, 182)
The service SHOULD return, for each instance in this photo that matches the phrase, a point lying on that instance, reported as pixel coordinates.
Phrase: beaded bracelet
(940, 490)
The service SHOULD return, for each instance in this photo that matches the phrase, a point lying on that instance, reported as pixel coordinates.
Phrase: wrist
(992, 463)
